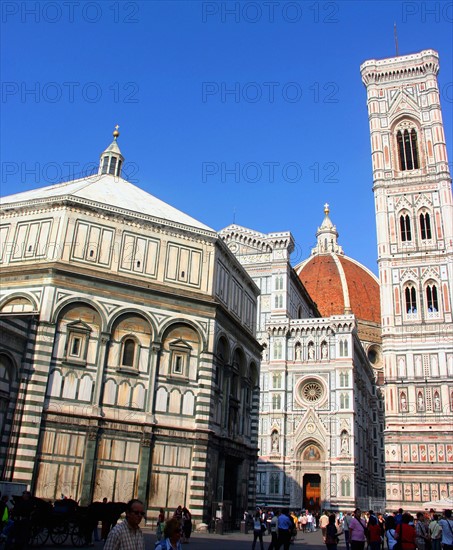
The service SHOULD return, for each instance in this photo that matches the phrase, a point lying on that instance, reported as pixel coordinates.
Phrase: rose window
(312, 391)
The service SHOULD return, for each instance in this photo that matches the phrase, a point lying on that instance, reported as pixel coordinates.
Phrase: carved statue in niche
(311, 351)
(298, 350)
(437, 405)
(420, 401)
(274, 441)
(344, 445)
(311, 453)
(324, 350)
(403, 402)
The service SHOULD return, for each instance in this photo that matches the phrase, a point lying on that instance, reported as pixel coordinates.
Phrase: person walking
(128, 535)
(435, 532)
(303, 522)
(172, 536)
(374, 533)
(309, 522)
(186, 525)
(285, 529)
(258, 529)
(447, 531)
(323, 522)
(331, 533)
(421, 532)
(346, 521)
(160, 524)
(406, 532)
(274, 531)
(357, 531)
(390, 532)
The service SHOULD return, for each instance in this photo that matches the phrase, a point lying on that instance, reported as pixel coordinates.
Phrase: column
(89, 469)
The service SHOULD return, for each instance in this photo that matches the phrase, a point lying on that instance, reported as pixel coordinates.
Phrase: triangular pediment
(180, 344)
(423, 200)
(404, 104)
(79, 325)
(310, 427)
(401, 203)
(430, 273)
(408, 275)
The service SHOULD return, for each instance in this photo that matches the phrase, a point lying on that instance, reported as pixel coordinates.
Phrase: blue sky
(245, 111)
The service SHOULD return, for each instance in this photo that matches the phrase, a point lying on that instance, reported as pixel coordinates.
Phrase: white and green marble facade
(173, 418)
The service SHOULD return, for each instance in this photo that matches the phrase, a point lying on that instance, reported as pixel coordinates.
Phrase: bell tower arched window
(405, 226)
(431, 298)
(411, 299)
(408, 149)
(425, 226)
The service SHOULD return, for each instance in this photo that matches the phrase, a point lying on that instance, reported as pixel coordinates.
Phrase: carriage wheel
(38, 536)
(78, 537)
(59, 534)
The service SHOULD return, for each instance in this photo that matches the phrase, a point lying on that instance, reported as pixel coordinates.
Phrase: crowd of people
(373, 531)
(397, 531)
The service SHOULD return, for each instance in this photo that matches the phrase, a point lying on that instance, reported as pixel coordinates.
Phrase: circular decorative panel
(312, 391)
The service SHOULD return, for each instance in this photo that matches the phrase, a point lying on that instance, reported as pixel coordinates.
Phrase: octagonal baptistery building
(340, 285)
(129, 365)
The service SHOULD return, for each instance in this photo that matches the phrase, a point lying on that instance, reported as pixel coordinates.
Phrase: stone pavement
(229, 541)
(237, 541)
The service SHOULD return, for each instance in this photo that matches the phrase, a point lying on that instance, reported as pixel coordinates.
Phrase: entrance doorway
(312, 492)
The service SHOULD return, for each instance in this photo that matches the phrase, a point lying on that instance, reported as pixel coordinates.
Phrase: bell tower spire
(111, 160)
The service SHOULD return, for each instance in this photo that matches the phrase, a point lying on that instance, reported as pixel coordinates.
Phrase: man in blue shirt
(285, 529)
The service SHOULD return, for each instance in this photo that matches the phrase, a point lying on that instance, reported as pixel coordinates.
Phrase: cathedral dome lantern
(327, 236)
(111, 160)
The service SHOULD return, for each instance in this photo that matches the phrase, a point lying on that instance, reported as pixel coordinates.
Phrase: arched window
(411, 299)
(343, 348)
(431, 298)
(425, 226)
(276, 402)
(405, 226)
(277, 380)
(344, 401)
(274, 484)
(344, 379)
(345, 487)
(408, 149)
(128, 356)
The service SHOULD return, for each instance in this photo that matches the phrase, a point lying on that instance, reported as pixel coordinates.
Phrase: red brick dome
(339, 285)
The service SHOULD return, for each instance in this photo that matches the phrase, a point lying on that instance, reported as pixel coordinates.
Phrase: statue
(344, 443)
(274, 440)
(324, 350)
(403, 402)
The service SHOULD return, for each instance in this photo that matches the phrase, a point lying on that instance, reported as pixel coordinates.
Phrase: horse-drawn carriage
(65, 518)
(61, 520)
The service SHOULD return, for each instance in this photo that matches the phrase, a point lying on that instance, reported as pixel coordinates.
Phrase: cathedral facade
(321, 410)
(128, 363)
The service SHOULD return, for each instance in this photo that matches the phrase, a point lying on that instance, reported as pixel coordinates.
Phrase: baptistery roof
(338, 284)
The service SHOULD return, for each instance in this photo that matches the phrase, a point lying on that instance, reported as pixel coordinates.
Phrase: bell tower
(414, 219)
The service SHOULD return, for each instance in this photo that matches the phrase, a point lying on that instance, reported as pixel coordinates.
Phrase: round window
(312, 391)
